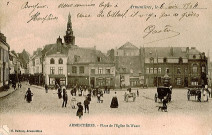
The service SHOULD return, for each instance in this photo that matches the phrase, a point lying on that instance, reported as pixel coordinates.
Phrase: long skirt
(114, 103)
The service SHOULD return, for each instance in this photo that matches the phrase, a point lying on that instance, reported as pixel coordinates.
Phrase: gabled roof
(128, 45)
(168, 52)
(54, 49)
(86, 55)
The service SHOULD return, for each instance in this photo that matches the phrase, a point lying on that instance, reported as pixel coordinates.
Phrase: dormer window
(99, 59)
(52, 61)
(76, 58)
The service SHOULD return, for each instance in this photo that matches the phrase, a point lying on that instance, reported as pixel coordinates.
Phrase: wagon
(196, 91)
(163, 92)
(193, 92)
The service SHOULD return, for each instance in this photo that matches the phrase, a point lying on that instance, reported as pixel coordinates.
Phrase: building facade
(4, 62)
(129, 65)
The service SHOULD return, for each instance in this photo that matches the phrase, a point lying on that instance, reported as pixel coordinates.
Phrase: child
(80, 110)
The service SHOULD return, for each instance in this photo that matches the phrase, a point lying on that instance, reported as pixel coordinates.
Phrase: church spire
(69, 37)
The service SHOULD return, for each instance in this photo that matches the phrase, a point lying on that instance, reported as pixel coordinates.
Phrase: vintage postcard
(99, 67)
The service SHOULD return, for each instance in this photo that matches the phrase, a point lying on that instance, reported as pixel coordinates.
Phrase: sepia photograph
(119, 67)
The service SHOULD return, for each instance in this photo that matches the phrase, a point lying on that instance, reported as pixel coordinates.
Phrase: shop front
(57, 79)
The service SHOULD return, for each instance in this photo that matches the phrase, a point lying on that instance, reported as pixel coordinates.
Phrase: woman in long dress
(114, 102)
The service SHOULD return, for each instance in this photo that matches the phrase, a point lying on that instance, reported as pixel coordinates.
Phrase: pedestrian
(98, 97)
(79, 110)
(65, 98)
(73, 102)
(46, 88)
(14, 85)
(137, 93)
(59, 92)
(199, 96)
(86, 104)
(114, 102)
(28, 95)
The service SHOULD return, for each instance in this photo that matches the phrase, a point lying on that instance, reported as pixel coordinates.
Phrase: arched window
(60, 61)
(51, 61)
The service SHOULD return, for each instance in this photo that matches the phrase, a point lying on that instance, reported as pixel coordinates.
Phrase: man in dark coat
(79, 110)
(59, 93)
(86, 104)
(65, 98)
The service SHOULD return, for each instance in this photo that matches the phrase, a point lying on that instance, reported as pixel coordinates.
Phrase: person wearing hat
(65, 98)
(79, 110)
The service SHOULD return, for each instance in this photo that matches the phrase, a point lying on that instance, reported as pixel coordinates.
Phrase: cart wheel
(155, 97)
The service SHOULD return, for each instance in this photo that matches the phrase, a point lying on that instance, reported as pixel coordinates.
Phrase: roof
(86, 55)
(193, 50)
(128, 45)
(54, 49)
(169, 52)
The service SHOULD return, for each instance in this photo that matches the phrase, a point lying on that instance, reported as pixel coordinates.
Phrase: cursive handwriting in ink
(36, 17)
(26, 5)
(152, 30)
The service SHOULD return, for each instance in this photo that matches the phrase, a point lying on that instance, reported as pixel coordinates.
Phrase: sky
(107, 32)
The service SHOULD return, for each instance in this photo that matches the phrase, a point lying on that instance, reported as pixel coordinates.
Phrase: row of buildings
(68, 64)
(65, 63)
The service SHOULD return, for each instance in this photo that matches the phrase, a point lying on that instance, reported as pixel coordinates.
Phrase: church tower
(69, 38)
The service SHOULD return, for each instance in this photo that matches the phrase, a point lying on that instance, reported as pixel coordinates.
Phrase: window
(37, 61)
(167, 70)
(99, 59)
(151, 71)
(60, 61)
(178, 81)
(100, 71)
(159, 70)
(147, 70)
(194, 68)
(51, 81)
(60, 70)
(203, 69)
(151, 60)
(74, 69)
(76, 58)
(81, 69)
(92, 71)
(178, 71)
(194, 56)
(155, 70)
(107, 71)
(186, 70)
(52, 70)
(51, 61)
(164, 60)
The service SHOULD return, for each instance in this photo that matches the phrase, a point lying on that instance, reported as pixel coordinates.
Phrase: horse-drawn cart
(197, 92)
(163, 92)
